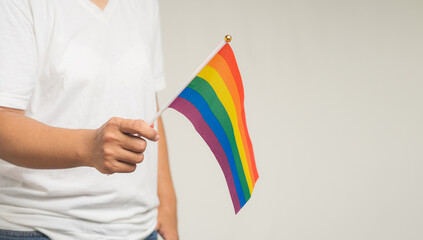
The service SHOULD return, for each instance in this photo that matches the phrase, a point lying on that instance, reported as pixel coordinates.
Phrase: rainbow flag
(214, 103)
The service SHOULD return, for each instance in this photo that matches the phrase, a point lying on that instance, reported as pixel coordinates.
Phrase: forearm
(28, 143)
(166, 191)
(117, 146)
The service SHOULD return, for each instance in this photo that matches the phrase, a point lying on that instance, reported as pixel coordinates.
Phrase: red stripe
(227, 53)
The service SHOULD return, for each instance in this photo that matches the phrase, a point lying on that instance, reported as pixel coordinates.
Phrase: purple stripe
(191, 112)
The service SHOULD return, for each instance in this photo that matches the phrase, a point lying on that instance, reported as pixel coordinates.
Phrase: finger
(130, 157)
(124, 167)
(138, 127)
(118, 167)
(132, 143)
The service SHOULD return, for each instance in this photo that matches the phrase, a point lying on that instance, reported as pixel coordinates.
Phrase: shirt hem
(13, 101)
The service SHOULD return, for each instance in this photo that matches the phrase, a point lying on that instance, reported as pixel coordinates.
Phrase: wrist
(167, 209)
(84, 147)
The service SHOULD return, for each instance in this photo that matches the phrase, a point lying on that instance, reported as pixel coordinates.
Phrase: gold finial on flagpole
(228, 38)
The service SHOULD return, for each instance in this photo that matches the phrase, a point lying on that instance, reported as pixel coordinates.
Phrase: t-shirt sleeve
(157, 52)
(18, 54)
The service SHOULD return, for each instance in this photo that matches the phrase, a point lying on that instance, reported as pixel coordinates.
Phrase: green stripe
(207, 92)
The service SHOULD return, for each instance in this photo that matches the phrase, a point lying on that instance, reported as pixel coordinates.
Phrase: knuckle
(107, 152)
(101, 169)
(109, 136)
(108, 167)
(136, 124)
(142, 145)
(114, 121)
(108, 172)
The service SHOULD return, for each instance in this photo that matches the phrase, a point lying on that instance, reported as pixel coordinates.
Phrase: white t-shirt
(69, 64)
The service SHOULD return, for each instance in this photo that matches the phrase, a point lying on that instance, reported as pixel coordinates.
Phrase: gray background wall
(334, 108)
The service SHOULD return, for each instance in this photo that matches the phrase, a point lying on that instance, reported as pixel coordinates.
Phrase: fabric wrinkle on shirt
(68, 65)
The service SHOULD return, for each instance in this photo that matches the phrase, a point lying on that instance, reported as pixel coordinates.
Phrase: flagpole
(228, 38)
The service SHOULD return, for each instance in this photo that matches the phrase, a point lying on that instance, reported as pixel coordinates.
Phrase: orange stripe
(227, 53)
(219, 64)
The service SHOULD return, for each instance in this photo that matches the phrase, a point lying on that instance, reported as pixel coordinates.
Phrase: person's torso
(93, 65)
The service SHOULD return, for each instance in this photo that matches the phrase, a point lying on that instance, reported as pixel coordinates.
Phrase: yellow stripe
(215, 80)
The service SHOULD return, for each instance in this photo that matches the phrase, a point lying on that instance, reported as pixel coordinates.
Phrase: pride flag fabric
(214, 103)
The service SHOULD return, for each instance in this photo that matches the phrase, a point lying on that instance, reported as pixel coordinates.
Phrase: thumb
(139, 127)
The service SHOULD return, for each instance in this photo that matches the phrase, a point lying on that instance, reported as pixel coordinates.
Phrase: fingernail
(157, 137)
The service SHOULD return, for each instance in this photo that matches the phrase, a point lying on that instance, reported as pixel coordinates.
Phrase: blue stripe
(198, 101)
